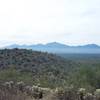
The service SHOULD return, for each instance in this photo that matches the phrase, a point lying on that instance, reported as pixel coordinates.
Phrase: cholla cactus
(82, 90)
(89, 96)
(21, 86)
(28, 90)
(81, 93)
(37, 93)
(59, 90)
(35, 88)
(20, 83)
(97, 94)
(9, 85)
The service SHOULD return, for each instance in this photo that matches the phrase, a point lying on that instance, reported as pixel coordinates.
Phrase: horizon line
(21, 44)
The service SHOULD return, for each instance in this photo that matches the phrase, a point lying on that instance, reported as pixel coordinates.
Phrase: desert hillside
(34, 67)
(32, 75)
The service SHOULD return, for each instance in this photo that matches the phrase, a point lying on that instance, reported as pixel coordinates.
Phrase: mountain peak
(53, 43)
(92, 45)
(56, 44)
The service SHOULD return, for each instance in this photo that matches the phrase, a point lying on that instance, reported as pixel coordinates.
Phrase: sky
(72, 22)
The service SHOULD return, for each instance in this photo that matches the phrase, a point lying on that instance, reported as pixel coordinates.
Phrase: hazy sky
(71, 22)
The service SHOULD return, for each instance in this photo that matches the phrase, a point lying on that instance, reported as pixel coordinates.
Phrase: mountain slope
(45, 68)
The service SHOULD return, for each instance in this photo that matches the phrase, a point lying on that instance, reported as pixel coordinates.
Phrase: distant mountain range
(55, 47)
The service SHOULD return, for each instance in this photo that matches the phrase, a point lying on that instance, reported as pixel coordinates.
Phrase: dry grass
(6, 94)
(15, 94)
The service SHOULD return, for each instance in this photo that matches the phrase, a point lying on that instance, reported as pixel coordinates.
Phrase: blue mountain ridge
(55, 47)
